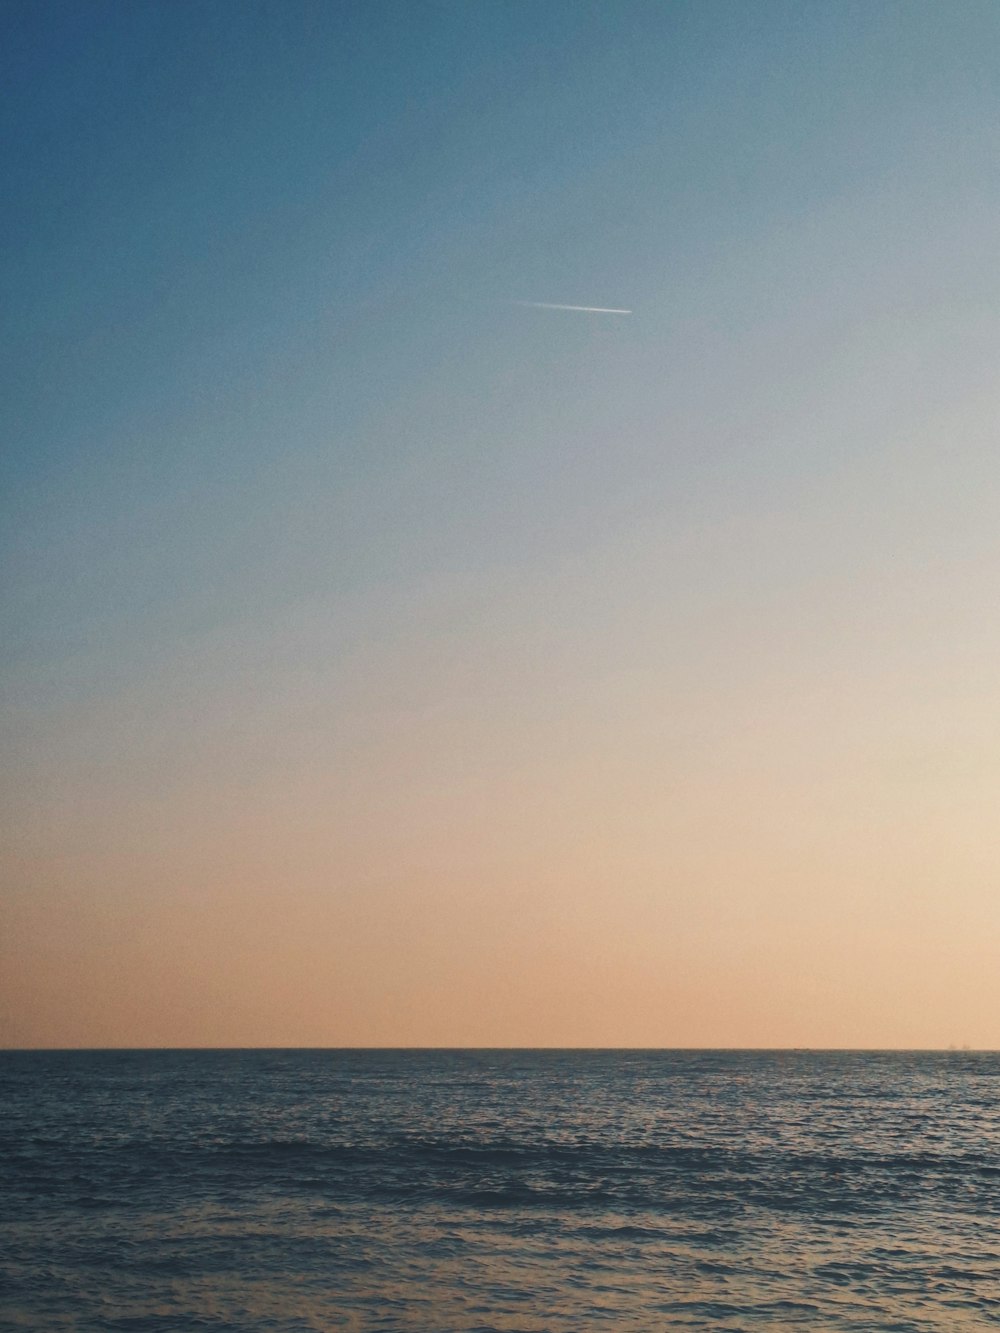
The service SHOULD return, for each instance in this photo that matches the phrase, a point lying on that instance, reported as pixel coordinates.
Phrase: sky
(390, 659)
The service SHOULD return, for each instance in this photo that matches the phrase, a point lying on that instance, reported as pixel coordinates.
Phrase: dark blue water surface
(475, 1190)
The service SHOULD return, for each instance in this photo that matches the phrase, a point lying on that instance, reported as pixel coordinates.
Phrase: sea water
(508, 1190)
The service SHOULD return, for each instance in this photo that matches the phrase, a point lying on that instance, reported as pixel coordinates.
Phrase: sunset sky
(390, 661)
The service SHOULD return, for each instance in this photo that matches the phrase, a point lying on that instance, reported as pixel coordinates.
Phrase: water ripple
(499, 1191)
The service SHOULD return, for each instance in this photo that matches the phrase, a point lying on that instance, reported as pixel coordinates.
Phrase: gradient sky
(387, 662)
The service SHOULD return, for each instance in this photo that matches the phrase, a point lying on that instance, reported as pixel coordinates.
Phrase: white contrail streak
(584, 309)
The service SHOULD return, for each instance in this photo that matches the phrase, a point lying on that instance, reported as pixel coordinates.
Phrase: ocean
(499, 1190)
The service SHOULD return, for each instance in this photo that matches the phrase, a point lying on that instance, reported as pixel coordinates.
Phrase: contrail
(584, 309)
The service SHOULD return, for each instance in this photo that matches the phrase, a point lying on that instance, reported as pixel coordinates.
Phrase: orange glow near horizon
(663, 854)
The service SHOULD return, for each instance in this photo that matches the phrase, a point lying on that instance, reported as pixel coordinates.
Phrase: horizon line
(804, 1050)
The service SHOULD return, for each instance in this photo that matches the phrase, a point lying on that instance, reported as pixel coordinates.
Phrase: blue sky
(287, 472)
(267, 249)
